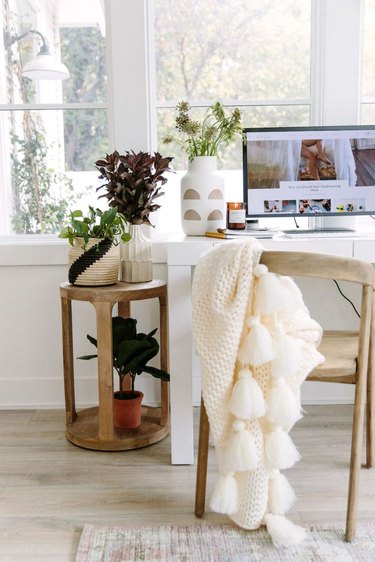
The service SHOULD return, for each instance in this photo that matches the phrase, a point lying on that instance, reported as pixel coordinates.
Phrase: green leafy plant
(97, 224)
(133, 182)
(131, 351)
(204, 139)
(37, 205)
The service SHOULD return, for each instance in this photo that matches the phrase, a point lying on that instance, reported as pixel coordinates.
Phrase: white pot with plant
(94, 254)
(131, 353)
(133, 182)
(202, 188)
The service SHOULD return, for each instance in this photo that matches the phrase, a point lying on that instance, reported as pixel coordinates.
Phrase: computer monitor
(309, 171)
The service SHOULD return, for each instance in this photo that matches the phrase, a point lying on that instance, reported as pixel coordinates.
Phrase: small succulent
(133, 182)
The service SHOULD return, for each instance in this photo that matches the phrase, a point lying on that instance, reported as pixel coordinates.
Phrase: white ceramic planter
(202, 197)
(136, 257)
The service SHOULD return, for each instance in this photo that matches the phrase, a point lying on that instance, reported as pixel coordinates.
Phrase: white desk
(183, 253)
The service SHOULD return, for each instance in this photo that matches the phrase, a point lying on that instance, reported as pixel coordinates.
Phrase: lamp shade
(45, 67)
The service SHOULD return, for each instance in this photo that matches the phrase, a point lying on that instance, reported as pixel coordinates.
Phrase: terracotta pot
(127, 410)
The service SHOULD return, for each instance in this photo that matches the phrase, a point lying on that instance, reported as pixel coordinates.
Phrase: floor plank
(49, 488)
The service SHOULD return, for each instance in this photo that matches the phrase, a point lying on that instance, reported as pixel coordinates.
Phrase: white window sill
(40, 249)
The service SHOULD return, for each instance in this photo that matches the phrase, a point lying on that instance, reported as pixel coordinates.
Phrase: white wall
(31, 370)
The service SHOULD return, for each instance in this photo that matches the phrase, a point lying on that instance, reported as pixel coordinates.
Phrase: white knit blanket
(231, 307)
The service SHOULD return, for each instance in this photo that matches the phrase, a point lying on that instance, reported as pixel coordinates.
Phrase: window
(282, 63)
(250, 54)
(368, 69)
(51, 132)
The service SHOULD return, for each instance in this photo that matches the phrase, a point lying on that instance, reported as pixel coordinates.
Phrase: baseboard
(48, 393)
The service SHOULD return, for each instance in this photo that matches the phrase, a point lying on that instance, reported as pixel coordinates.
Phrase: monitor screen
(309, 171)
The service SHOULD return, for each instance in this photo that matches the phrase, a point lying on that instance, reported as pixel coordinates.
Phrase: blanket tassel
(247, 400)
(282, 531)
(225, 496)
(270, 294)
(283, 407)
(287, 352)
(257, 347)
(280, 449)
(281, 495)
(241, 453)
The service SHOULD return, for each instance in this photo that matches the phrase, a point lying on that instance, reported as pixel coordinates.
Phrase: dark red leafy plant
(133, 182)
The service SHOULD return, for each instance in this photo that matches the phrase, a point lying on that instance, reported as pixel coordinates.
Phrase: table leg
(164, 362)
(105, 369)
(181, 384)
(124, 309)
(67, 340)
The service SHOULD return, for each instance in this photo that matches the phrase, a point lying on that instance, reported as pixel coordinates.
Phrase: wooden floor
(50, 488)
(365, 166)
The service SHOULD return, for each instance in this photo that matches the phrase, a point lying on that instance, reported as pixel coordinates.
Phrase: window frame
(131, 102)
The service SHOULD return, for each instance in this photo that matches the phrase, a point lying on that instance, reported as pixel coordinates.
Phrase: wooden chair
(349, 359)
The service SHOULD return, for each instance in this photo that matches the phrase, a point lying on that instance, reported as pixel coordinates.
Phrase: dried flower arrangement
(204, 139)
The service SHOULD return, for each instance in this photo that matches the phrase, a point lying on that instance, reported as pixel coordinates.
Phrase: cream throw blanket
(256, 343)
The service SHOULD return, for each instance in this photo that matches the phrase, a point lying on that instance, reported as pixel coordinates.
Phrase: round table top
(115, 293)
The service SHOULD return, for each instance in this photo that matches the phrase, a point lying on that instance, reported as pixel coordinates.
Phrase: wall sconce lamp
(44, 66)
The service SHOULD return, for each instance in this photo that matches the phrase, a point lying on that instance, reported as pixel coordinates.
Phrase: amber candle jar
(236, 216)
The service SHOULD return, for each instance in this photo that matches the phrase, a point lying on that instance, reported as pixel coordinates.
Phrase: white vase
(95, 265)
(202, 197)
(135, 255)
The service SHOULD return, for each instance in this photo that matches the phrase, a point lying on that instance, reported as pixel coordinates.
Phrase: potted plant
(131, 353)
(133, 183)
(94, 239)
(202, 189)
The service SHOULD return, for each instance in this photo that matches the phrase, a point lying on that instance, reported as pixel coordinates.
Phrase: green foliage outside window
(36, 207)
(42, 194)
(85, 131)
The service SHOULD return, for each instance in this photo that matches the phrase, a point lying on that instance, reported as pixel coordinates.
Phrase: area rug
(219, 543)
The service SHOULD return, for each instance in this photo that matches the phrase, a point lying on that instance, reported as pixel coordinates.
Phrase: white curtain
(343, 159)
(272, 161)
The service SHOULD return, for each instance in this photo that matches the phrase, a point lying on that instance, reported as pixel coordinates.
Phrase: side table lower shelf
(84, 431)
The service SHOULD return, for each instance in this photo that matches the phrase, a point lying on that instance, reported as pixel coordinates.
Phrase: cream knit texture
(224, 287)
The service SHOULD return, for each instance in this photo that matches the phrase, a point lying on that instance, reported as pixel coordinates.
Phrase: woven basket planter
(96, 265)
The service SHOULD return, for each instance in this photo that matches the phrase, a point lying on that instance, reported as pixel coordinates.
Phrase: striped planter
(97, 265)
(136, 260)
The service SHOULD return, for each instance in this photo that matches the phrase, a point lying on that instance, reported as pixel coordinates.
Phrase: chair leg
(200, 489)
(370, 403)
(370, 421)
(355, 457)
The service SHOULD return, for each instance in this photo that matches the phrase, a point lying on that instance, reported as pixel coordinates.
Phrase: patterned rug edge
(219, 543)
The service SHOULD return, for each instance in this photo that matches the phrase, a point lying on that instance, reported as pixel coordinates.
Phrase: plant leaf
(155, 372)
(92, 340)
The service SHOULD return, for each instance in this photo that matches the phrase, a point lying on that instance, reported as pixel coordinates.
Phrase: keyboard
(323, 233)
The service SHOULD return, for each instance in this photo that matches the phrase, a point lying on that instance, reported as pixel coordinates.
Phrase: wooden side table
(93, 428)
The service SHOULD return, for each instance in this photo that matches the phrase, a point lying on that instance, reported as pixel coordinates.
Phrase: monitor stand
(252, 224)
(318, 225)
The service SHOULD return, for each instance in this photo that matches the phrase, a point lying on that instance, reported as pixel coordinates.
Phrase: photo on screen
(314, 206)
(280, 206)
